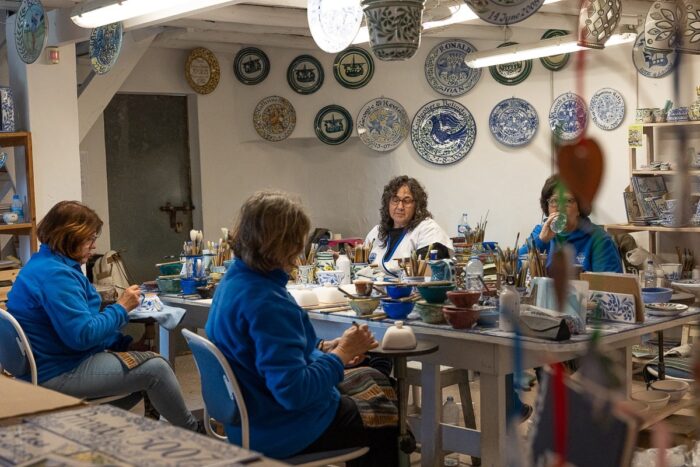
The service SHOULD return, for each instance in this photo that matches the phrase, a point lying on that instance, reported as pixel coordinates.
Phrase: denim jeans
(103, 375)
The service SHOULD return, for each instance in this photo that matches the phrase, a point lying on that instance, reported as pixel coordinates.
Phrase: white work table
(485, 350)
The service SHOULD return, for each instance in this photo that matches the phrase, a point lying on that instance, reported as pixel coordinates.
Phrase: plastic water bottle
(344, 264)
(474, 267)
(649, 274)
(17, 207)
(463, 228)
(450, 416)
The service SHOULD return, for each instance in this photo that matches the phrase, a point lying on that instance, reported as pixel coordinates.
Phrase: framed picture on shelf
(649, 184)
(634, 214)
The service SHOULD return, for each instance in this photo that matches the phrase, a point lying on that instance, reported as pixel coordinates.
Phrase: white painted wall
(341, 185)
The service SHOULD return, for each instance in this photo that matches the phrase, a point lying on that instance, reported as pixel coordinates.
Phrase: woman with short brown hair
(59, 310)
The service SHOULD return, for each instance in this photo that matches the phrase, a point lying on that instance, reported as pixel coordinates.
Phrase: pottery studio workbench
(487, 350)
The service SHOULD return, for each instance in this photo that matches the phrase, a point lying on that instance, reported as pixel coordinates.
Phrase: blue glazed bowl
(488, 318)
(398, 291)
(435, 294)
(656, 295)
(397, 310)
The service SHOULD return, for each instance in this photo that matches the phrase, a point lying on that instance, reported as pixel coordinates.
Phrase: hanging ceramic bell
(660, 28)
(597, 22)
(689, 30)
(394, 27)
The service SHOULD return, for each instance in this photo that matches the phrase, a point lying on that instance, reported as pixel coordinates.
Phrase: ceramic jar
(659, 115)
(694, 108)
(660, 26)
(7, 104)
(644, 115)
(597, 21)
(394, 27)
(689, 40)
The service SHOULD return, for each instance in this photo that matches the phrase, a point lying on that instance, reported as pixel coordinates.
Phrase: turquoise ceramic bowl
(170, 269)
(435, 294)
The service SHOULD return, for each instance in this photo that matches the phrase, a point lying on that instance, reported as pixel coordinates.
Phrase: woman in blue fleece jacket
(288, 384)
(59, 310)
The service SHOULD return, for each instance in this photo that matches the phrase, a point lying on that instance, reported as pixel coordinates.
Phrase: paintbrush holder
(195, 267)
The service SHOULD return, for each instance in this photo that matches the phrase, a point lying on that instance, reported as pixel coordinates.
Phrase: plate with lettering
(334, 23)
(333, 124)
(353, 67)
(251, 65)
(202, 70)
(568, 116)
(513, 122)
(382, 124)
(274, 118)
(511, 73)
(446, 71)
(607, 109)
(443, 132)
(504, 12)
(652, 64)
(305, 74)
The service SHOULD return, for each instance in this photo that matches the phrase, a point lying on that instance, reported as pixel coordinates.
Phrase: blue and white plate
(649, 63)
(31, 30)
(382, 124)
(607, 109)
(443, 131)
(334, 23)
(504, 12)
(513, 122)
(446, 71)
(105, 45)
(568, 116)
(333, 124)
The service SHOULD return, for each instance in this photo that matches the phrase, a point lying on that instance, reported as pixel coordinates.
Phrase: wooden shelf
(655, 416)
(649, 228)
(18, 138)
(669, 124)
(694, 172)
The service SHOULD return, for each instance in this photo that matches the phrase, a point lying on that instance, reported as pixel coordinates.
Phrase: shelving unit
(648, 142)
(23, 139)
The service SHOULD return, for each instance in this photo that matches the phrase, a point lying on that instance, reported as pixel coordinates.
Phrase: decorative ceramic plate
(568, 116)
(251, 65)
(334, 23)
(305, 74)
(446, 71)
(274, 118)
(652, 64)
(202, 70)
(504, 12)
(555, 62)
(513, 122)
(105, 45)
(607, 109)
(665, 309)
(382, 124)
(31, 30)
(353, 67)
(333, 124)
(511, 73)
(443, 131)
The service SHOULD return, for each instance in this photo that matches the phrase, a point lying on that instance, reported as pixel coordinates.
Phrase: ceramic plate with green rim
(555, 62)
(305, 74)
(511, 73)
(251, 65)
(353, 67)
(333, 124)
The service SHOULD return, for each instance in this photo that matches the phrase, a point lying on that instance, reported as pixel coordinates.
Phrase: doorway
(148, 167)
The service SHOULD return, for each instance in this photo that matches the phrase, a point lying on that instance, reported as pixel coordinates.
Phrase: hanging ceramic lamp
(597, 22)
(661, 26)
(689, 31)
(394, 27)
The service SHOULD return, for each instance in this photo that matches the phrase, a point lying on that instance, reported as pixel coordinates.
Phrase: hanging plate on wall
(446, 71)
(568, 116)
(251, 65)
(305, 74)
(555, 62)
(202, 70)
(105, 45)
(513, 122)
(443, 131)
(504, 12)
(274, 118)
(333, 124)
(382, 124)
(607, 109)
(511, 73)
(353, 68)
(31, 30)
(334, 23)
(649, 63)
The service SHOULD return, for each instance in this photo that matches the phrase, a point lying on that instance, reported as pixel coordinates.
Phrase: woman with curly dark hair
(406, 225)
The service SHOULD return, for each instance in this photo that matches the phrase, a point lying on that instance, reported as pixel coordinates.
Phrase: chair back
(222, 395)
(16, 355)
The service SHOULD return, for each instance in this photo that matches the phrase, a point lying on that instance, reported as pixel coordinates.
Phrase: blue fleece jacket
(289, 386)
(594, 249)
(59, 311)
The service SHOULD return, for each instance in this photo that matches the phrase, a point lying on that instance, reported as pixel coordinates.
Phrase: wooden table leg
(493, 419)
(431, 408)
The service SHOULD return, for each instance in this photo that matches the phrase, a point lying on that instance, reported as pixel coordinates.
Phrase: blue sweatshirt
(59, 311)
(594, 249)
(289, 386)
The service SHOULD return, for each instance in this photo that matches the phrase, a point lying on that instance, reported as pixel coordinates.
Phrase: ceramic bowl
(655, 399)
(460, 318)
(304, 297)
(330, 294)
(656, 294)
(170, 269)
(429, 312)
(488, 317)
(637, 408)
(206, 291)
(398, 291)
(436, 293)
(363, 287)
(464, 298)
(364, 306)
(674, 388)
(644, 115)
(397, 310)
(168, 285)
(333, 278)
(414, 279)
(689, 285)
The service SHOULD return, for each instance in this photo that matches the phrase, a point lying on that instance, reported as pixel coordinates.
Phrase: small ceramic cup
(363, 287)
(659, 116)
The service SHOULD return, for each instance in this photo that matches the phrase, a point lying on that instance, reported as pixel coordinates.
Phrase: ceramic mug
(672, 271)
(442, 269)
(10, 217)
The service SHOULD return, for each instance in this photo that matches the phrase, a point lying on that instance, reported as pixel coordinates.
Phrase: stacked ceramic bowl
(434, 298)
(463, 313)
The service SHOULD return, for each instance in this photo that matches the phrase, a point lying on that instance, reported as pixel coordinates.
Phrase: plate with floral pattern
(504, 12)
(443, 132)
(511, 73)
(353, 67)
(274, 118)
(607, 109)
(568, 116)
(251, 65)
(31, 30)
(334, 23)
(446, 71)
(513, 122)
(382, 124)
(105, 45)
(305, 74)
(333, 124)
